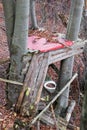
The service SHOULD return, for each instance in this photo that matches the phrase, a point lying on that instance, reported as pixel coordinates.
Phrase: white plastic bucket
(50, 86)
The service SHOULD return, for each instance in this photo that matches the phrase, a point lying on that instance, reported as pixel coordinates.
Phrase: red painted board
(41, 44)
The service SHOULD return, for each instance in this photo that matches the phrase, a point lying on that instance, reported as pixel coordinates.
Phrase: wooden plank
(33, 83)
(25, 86)
(59, 55)
(47, 118)
(76, 45)
(42, 75)
(62, 123)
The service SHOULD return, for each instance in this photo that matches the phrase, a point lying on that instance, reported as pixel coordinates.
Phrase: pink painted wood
(41, 44)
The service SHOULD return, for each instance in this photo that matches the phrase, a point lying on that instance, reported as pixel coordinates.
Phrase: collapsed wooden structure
(37, 70)
(36, 74)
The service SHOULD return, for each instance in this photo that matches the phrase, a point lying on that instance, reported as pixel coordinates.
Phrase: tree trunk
(9, 12)
(74, 19)
(65, 74)
(66, 67)
(33, 15)
(18, 46)
(84, 109)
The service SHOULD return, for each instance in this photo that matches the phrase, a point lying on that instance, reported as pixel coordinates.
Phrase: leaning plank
(25, 86)
(33, 84)
(54, 99)
(41, 76)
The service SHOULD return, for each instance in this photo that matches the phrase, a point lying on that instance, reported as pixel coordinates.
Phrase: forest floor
(7, 117)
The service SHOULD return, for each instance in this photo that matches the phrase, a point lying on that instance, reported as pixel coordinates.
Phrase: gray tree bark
(74, 20)
(33, 15)
(9, 12)
(84, 108)
(66, 67)
(18, 31)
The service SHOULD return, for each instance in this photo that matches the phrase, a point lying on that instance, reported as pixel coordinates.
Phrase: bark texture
(66, 67)
(33, 15)
(84, 109)
(9, 12)
(74, 19)
(17, 33)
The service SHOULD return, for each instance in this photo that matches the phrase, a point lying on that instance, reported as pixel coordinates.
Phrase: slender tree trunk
(84, 108)
(18, 46)
(66, 67)
(74, 19)
(33, 15)
(9, 12)
(65, 74)
(20, 36)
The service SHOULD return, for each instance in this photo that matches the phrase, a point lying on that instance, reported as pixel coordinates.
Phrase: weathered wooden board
(48, 119)
(33, 83)
(61, 54)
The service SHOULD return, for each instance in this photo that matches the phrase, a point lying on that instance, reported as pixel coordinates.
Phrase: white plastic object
(48, 88)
